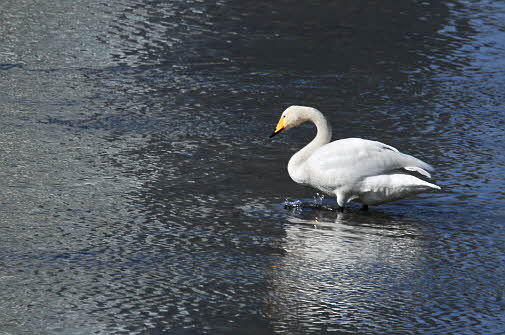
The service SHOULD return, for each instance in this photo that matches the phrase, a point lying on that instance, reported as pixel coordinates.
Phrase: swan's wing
(354, 159)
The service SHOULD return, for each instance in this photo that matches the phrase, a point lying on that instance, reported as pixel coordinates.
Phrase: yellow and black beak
(279, 128)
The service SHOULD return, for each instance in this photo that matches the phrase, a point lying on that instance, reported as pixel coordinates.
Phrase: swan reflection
(341, 270)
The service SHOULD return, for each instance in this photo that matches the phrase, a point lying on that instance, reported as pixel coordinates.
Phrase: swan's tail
(433, 186)
(388, 187)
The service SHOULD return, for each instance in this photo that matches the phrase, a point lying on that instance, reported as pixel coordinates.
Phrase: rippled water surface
(140, 193)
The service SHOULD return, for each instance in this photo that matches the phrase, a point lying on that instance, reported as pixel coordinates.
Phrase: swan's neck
(323, 137)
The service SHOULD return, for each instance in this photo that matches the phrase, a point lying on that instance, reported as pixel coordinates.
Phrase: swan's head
(293, 116)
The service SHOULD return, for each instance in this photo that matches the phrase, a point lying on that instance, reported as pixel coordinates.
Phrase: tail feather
(379, 189)
(418, 170)
(436, 187)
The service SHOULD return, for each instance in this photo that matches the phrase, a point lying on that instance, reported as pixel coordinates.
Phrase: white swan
(352, 169)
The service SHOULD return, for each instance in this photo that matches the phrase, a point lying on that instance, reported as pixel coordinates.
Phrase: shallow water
(141, 194)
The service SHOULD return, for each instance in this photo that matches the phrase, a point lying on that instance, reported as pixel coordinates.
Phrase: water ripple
(141, 193)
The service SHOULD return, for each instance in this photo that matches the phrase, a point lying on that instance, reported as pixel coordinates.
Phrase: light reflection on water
(140, 193)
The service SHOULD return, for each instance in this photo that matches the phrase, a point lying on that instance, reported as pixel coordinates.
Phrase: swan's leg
(364, 207)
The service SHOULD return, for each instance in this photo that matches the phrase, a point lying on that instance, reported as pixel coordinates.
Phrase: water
(140, 193)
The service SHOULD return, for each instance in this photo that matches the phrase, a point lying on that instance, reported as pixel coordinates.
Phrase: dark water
(140, 193)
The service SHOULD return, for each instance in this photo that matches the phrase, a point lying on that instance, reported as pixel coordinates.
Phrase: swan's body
(352, 169)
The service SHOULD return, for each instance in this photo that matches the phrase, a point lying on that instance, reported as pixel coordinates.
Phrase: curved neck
(323, 137)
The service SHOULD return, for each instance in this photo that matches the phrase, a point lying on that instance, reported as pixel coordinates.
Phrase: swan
(352, 169)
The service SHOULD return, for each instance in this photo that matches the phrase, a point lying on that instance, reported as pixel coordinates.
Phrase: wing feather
(352, 159)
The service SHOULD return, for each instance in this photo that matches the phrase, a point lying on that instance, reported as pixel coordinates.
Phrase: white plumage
(367, 171)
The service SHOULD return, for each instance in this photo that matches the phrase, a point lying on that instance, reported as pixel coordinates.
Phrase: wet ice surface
(141, 194)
